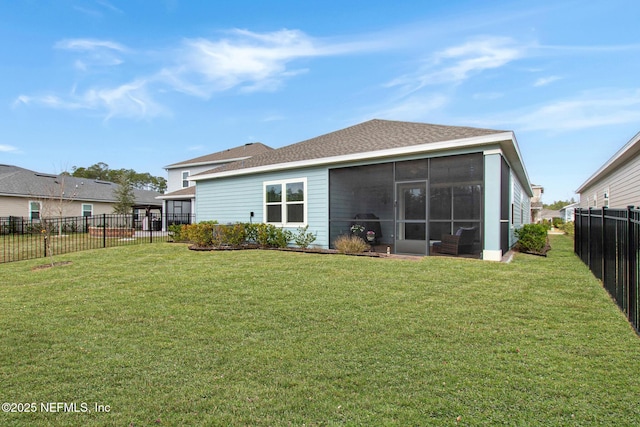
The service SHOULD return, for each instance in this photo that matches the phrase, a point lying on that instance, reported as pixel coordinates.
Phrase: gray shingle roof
(373, 135)
(20, 182)
(188, 192)
(242, 151)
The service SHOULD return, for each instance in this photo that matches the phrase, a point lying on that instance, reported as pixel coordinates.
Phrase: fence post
(104, 230)
(603, 245)
(630, 273)
(589, 239)
(576, 231)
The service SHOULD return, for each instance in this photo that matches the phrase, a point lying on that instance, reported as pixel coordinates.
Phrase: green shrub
(532, 238)
(568, 228)
(177, 233)
(200, 234)
(212, 234)
(303, 238)
(269, 236)
(230, 235)
(557, 222)
(350, 244)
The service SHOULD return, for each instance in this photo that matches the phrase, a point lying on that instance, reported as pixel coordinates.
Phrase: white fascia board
(520, 169)
(217, 162)
(492, 151)
(621, 156)
(177, 197)
(392, 152)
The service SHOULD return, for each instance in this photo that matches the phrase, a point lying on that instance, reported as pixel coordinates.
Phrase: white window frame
(185, 178)
(31, 211)
(283, 182)
(90, 209)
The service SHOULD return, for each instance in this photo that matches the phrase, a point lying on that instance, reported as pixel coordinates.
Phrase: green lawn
(30, 246)
(167, 336)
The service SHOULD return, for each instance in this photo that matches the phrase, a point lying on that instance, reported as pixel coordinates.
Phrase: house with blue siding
(410, 187)
(179, 200)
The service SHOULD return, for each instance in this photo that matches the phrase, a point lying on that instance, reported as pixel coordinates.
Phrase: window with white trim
(285, 202)
(87, 209)
(34, 210)
(185, 179)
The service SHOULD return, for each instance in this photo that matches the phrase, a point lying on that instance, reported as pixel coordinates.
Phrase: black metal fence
(22, 239)
(608, 241)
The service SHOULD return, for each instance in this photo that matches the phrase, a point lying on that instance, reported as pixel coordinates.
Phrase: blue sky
(143, 83)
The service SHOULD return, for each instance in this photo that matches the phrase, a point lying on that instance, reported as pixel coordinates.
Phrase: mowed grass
(31, 246)
(168, 336)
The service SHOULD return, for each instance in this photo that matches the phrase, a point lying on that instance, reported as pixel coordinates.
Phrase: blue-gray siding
(230, 200)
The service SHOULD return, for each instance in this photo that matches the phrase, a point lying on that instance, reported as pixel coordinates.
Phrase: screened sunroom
(405, 188)
(408, 207)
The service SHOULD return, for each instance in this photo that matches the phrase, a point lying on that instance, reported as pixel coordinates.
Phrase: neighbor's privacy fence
(607, 240)
(22, 239)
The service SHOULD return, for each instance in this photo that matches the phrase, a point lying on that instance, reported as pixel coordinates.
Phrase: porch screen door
(411, 218)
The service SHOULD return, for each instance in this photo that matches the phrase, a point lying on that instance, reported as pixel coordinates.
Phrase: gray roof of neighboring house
(232, 154)
(373, 135)
(549, 214)
(183, 193)
(571, 206)
(629, 151)
(19, 182)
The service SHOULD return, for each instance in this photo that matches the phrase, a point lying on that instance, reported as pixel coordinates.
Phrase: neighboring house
(615, 184)
(568, 213)
(33, 195)
(549, 214)
(179, 200)
(412, 182)
(536, 203)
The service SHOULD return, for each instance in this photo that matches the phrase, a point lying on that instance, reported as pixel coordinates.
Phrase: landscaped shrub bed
(532, 239)
(241, 235)
(350, 244)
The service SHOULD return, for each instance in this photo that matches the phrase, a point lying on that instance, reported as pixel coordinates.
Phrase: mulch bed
(301, 250)
(55, 264)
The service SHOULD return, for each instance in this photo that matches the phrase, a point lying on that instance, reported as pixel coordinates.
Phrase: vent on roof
(101, 182)
(46, 176)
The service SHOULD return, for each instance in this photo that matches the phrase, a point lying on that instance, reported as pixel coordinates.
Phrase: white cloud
(89, 45)
(543, 81)
(8, 149)
(246, 60)
(458, 63)
(95, 53)
(108, 5)
(242, 60)
(130, 100)
(590, 110)
(414, 108)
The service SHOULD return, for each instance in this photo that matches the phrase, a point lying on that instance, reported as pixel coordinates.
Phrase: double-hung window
(34, 210)
(285, 202)
(87, 210)
(185, 179)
